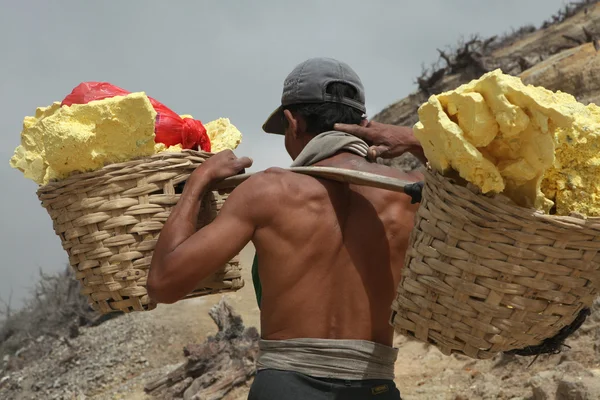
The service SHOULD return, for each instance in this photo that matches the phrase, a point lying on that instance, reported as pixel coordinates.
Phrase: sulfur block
(223, 135)
(85, 137)
(538, 147)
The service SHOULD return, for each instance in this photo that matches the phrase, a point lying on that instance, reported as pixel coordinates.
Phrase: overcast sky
(210, 59)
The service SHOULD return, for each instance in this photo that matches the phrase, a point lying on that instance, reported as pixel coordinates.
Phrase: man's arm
(183, 257)
(387, 141)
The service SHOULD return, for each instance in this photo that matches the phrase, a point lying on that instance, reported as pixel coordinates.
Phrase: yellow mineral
(223, 135)
(538, 147)
(30, 156)
(162, 148)
(85, 137)
(58, 141)
(447, 148)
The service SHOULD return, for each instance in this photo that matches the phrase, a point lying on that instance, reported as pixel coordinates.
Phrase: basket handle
(413, 189)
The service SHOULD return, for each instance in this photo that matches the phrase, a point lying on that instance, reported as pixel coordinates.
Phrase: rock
(571, 390)
(541, 393)
(571, 380)
(573, 71)
(578, 387)
(4, 380)
(543, 386)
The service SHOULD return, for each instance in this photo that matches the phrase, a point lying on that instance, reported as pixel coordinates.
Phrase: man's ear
(292, 122)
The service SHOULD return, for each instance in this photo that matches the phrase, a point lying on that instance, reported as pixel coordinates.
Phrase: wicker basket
(109, 221)
(483, 276)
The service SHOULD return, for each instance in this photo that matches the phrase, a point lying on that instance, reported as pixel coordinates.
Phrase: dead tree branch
(215, 367)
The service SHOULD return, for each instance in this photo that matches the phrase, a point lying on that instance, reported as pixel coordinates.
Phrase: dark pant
(283, 385)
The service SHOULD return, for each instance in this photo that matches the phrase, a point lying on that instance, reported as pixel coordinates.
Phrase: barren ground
(115, 359)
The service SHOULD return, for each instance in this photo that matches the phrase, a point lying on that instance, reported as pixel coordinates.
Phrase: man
(330, 253)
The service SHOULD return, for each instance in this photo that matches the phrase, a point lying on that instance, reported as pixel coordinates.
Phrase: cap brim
(275, 124)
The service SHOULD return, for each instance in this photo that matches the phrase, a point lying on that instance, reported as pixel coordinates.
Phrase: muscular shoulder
(266, 183)
(411, 176)
(282, 182)
(267, 192)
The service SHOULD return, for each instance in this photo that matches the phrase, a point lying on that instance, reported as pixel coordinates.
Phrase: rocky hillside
(560, 55)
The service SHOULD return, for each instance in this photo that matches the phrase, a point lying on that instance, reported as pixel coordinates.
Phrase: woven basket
(109, 221)
(483, 276)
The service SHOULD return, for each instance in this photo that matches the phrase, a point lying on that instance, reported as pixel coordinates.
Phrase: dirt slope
(116, 359)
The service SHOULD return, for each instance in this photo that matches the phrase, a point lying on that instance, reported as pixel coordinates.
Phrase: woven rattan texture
(109, 221)
(483, 276)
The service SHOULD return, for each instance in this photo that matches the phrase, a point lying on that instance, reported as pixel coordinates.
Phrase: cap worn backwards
(307, 83)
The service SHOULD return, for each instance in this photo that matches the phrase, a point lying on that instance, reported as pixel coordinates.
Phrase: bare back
(331, 254)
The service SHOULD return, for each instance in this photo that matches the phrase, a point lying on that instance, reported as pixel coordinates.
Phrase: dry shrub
(55, 309)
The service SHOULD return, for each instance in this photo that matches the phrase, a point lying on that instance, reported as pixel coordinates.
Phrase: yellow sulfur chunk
(542, 147)
(510, 118)
(30, 156)
(479, 130)
(162, 148)
(85, 137)
(445, 146)
(58, 141)
(223, 135)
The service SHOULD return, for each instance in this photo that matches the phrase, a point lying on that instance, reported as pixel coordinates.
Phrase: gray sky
(210, 59)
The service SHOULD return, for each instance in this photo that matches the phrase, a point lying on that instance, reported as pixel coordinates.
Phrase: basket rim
(113, 167)
(433, 176)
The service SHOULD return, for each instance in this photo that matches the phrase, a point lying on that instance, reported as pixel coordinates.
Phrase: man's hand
(386, 141)
(222, 165)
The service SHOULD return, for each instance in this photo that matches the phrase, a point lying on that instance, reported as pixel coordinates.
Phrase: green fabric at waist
(256, 280)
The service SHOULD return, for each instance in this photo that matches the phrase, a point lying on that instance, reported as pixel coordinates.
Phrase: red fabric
(170, 128)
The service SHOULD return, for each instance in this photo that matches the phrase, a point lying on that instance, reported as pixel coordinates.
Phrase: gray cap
(307, 83)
